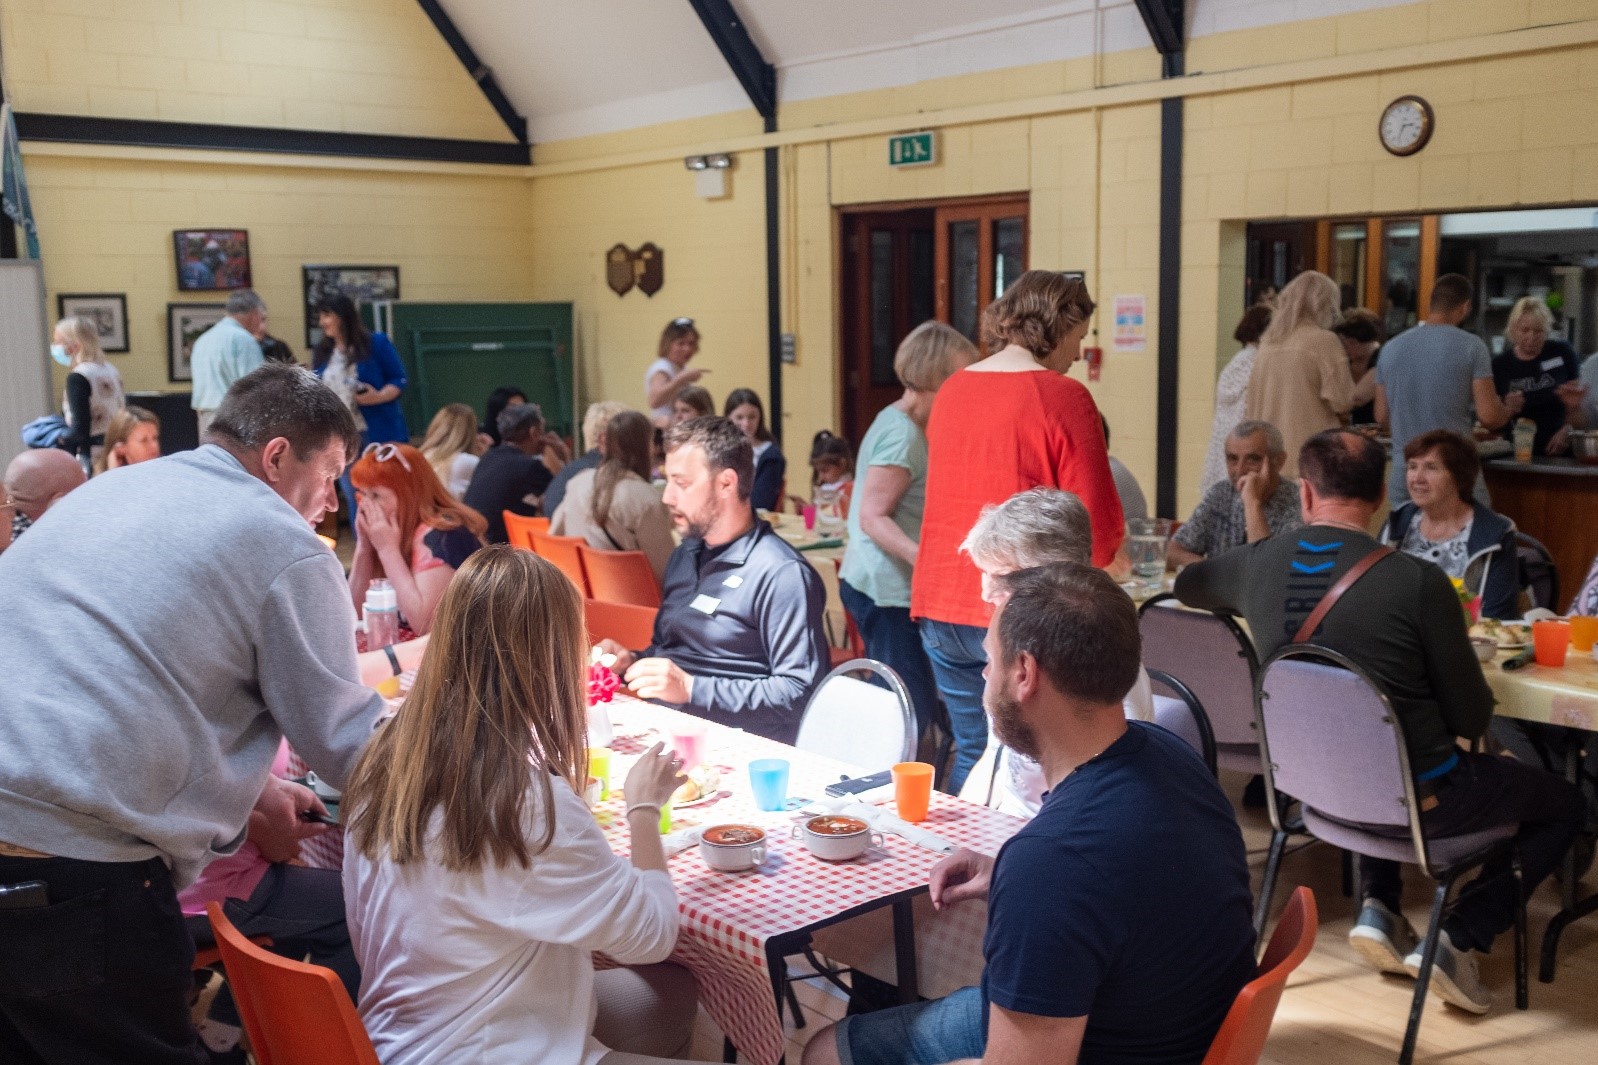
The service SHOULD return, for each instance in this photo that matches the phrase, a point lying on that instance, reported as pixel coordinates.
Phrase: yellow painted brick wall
(368, 66)
(106, 226)
(715, 269)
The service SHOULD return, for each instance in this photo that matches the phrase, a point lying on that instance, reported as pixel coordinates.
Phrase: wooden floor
(1339, 1012)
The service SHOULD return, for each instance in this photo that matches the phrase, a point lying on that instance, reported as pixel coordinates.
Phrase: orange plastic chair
(562, 551)
(295, 1014)
(620, 576)
(855, 644)
(631, 626)
(1241, 1039)
(520, 530)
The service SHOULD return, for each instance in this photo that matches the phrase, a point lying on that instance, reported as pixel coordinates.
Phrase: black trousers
(1483, 792)
(101, 974)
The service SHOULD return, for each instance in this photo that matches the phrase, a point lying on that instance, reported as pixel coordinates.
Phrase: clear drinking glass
(1147, 540)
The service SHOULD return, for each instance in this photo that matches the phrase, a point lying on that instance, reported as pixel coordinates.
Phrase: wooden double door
(944, 260)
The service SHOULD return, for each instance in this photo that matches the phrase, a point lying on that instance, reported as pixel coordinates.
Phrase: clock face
(1406, 125)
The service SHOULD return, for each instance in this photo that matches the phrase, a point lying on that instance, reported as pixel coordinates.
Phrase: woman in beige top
(1301, 382)
(614, 507)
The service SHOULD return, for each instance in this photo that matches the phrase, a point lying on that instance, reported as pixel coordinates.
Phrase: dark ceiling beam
(144, 133)
(481, 72)
(1166, 21)
(758, 77)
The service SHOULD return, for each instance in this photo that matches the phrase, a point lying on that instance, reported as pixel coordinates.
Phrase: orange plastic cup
(1550, 641)
(912, 790)
(1583, 633)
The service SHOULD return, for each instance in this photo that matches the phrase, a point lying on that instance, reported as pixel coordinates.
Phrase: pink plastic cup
(690, 743)
(810, 517)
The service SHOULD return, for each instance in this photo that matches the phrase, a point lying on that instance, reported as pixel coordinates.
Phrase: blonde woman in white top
(477, 882)
(614, 507)
(93, 390)
(452, 446)
(669, 374)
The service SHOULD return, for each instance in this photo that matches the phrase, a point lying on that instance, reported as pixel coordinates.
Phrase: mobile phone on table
(28, 895)
(859, 785)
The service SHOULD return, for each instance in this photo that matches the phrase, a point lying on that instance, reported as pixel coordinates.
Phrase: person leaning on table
(1251, 502)
(739, 639)
(1401, 623)
(1118, 926)
(152, 668)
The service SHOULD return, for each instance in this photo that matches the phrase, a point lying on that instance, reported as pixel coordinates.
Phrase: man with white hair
(595, 421)
(226, 352)
(1032, 528)
(35, 479)
(1255, 500)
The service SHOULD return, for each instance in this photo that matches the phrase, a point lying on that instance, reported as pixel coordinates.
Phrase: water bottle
(382, 615)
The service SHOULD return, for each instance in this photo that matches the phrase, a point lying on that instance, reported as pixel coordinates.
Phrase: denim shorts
(923, 1033)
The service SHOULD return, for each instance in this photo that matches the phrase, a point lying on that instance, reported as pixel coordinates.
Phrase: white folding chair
(860, 723)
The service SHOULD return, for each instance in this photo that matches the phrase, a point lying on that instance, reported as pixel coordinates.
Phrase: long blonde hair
(86, 333)
(1310, 299)
(453, 431)
(121, 426)
(499, 706)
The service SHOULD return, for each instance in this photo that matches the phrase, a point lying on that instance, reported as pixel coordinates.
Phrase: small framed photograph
(363, 284)
(107, 310)
(212, 260)
(184, 324)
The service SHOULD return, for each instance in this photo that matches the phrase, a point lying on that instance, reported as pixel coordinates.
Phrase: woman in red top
(1010, 422)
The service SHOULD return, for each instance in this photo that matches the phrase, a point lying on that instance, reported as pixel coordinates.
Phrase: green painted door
(460, 352)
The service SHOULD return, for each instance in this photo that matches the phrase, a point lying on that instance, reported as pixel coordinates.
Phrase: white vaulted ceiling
(581, 67)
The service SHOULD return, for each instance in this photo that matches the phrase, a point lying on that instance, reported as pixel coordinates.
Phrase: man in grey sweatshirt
(168, 624)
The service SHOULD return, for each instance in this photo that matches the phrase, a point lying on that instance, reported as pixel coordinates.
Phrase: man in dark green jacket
(1402, 623)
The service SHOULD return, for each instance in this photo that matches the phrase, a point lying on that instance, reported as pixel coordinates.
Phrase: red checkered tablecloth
(728, 918)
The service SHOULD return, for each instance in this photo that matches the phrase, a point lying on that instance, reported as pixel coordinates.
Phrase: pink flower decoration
(602, 684)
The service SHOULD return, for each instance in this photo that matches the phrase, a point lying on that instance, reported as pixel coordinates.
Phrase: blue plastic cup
(769, 778)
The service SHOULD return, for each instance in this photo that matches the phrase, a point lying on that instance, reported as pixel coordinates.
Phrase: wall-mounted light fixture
(710, 174)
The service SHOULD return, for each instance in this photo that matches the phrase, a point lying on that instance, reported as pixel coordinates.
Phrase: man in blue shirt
(224, 353)
(1119, 918)
(739, 638)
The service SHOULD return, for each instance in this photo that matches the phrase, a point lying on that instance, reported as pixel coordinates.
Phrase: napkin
(674, 843)
(819, 545)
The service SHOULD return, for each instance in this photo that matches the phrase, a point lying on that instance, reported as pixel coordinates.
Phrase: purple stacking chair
(1215, 659)
(1182, 713)
(1331, 738)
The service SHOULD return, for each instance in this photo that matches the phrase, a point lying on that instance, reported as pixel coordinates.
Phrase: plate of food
(704, 784)
(1511, 635)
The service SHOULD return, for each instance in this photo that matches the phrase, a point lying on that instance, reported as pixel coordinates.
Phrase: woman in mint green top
(885, 513)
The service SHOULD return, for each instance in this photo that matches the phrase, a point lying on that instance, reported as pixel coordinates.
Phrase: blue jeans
(922, 1033)
(891, 637)
(957, 658)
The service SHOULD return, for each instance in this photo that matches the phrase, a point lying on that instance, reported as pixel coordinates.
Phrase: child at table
(478, 884)
(831, 474)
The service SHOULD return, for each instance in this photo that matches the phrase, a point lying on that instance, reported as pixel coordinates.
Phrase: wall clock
(1406, 125)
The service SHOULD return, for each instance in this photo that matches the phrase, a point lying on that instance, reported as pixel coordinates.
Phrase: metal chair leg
(793, 1002)
(729, 1053)
(1423, 979)
(1522, 994)
(1262, 905)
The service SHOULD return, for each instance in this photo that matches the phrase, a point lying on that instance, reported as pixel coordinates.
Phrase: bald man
(35, 480)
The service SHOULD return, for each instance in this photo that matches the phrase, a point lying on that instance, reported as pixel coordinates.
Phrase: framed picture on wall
(212, 260)
(184, 324)
(107, 310)
(363, 284)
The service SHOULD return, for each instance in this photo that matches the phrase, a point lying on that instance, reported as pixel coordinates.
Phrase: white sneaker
(1454, 976)
(1383, 938)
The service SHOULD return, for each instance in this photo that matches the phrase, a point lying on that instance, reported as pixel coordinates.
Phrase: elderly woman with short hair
(1443, 524)
(1542, 369)
(1029, 529)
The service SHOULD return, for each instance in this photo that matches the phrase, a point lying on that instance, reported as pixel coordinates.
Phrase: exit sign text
(912, 149)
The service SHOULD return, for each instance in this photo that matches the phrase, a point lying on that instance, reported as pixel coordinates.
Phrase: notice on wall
(1131, 328)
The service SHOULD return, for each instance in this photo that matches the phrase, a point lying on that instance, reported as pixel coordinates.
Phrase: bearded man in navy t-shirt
(1119, 924)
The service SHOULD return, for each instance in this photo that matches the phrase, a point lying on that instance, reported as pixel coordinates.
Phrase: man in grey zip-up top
(169, 624)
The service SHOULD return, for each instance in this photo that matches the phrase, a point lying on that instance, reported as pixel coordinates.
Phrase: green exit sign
(912, 149)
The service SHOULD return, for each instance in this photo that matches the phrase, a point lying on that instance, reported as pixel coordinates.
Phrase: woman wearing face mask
(93, 390)
(1010, 422)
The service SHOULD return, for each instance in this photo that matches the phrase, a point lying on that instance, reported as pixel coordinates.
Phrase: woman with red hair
(409, 529)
